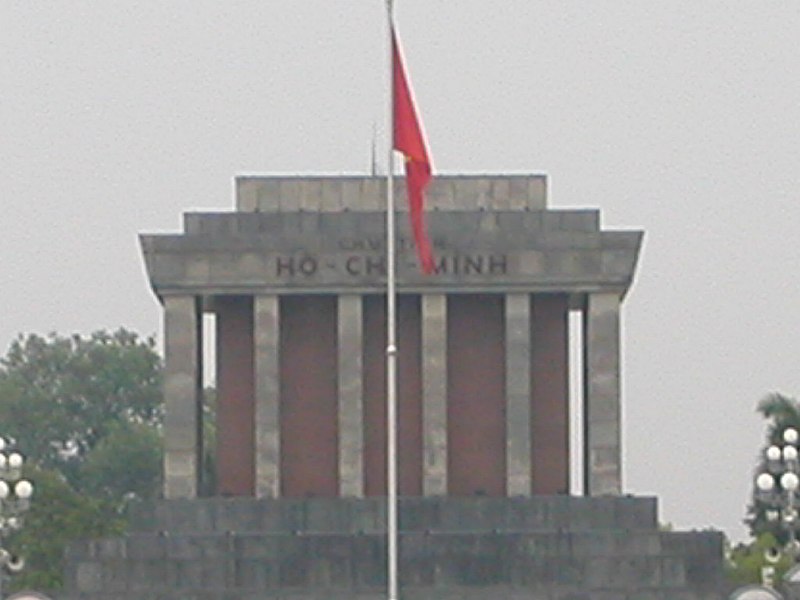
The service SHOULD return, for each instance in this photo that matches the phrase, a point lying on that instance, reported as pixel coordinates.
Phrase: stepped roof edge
(328, 193)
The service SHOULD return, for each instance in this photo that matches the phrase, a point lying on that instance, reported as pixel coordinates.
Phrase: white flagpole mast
(391, 337)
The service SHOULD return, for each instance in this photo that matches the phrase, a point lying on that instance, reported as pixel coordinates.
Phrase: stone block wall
(358, 193)
(548, 548)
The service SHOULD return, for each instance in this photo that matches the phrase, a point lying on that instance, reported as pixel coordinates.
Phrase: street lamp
(15, 497)
(778, 485)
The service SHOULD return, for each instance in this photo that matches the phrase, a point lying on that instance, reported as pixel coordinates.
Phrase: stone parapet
(364, 193)
(269, 228)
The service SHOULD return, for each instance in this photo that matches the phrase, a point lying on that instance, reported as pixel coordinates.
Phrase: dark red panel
(409, 396)
(309, 396)
(235, 396)
(550, 394)
(476, 437)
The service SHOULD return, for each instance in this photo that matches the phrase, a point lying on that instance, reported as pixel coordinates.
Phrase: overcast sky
(681, 118)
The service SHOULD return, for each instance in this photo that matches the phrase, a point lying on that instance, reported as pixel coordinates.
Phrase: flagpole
(391, 335)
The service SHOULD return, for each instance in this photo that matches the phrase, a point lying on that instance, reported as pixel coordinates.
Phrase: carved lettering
(498, 265)
(471, 264)
(288, 266)
(440, 265)
(376, 244)
(371, 243)
(374, 265)
(353, 265)
(308, 266)
(284, 266)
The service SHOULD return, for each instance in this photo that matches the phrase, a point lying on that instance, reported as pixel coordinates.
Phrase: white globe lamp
(765, 482)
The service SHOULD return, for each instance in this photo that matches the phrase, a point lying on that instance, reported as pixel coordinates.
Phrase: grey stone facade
(294, 236)
(310, 235)
(546, 548)
(536, 251)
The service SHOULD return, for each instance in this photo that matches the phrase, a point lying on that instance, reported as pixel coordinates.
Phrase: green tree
(125, 464)
(747, 561)
(781, 412)
(61, 396)
(87, 413)
(58, 515)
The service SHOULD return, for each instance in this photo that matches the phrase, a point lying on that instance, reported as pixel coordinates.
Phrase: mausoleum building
(296, 278)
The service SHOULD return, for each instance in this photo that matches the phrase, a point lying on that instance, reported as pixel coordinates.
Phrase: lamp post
(777, 488)
(15, 495)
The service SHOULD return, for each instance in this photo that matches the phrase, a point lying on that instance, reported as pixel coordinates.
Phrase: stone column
(518, 394)
(351, 430)
(601, 380)
(434, 394)
(182, 399)
(267, 392)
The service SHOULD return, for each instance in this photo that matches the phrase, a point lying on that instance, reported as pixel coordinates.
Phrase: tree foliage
(125, 463)
(58, 515)
(781, 413)
(86, 412)
(59, 396)
(746, 562)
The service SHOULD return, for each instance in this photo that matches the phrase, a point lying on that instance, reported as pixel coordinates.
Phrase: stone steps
(554, 548)
(416, 514)
(452, 593)
(152, 562)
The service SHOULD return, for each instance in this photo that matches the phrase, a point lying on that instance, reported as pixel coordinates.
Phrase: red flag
(409, 140)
